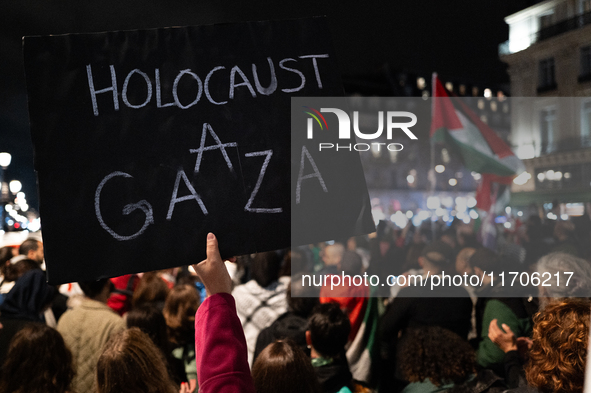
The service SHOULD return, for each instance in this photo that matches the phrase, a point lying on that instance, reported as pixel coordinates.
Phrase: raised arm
(220, 346)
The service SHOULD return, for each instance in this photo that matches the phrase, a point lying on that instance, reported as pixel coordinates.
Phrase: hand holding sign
(212, 271)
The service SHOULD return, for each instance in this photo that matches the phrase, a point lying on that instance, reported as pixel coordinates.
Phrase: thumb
(212, 251)
(507, 329)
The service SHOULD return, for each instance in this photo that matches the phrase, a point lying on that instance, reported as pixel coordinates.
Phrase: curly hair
(436, 354)
(38, 361)
(559, 350)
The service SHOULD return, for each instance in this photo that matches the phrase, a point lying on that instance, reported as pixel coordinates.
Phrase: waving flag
(480, 148)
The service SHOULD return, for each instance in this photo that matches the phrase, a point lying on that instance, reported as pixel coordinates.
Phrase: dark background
(458, 39)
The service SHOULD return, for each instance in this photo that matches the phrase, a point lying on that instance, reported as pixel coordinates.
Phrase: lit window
(586, 120)
(547, 128)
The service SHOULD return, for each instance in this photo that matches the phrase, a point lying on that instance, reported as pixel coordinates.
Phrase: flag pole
(432, 161)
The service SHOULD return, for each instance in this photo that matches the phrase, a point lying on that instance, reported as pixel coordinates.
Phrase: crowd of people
(251, 324)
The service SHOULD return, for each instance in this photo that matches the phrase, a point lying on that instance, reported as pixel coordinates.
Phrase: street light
(5, 159)
(15, 186)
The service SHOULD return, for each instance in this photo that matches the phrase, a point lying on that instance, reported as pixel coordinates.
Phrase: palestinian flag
(481, 150)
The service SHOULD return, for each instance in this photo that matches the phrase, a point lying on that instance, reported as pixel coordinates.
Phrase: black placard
(146, 140)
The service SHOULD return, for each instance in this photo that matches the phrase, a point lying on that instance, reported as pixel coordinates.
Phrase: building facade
(549, 59)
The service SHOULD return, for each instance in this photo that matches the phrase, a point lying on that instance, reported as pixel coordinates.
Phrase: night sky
(457, 39)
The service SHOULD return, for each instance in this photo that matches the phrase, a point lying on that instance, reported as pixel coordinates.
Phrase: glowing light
(399, 219)
(477, 176)
(520, 213)
(409, 214)
(471, 202)
(440, 212)
(452, 182)
(508, 210)
(564, 217)
(552, 216)
(507, 225)
(550, 175)
(522, 178)
(433, 202)
(5, 159)
(487, 93)
(567, 175)
(424, 214)
(15, 186)
(541, 176)
(410, 179)
(439, 168)
(473, 214)
(557, 175)
(466, 220)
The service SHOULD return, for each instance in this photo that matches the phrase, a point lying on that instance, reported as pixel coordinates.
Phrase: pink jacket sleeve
(220, 347)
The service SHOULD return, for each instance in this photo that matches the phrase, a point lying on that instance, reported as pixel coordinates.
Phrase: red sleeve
(220, 347)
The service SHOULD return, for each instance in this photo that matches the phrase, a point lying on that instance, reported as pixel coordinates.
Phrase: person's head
(351, 263)
(299, 300)
(564, 230)
(333, 254)
(284, 367)
(559, 351)
(131, 363)
(436, 354)
(437, 256)
(32, 249)
(179, 311)
(484, 260)
(29, 297)
(564, 265)
(37, 361)
(18, 266)
(150, 289)
(97, 289)
(6, 254)
(449, 237)
(463, 260)
(328, 330)
(265, 268)
(150, 320)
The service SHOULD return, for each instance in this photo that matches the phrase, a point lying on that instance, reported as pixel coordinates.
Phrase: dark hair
(5, 254)
(558, 355)
(485, 259)
(438, 355)
(28, 245)
(131, 363)
(265, 268)
(284, 367)
(150, 289)
(329, 329)
(93, 288)
(351, 263)
(15, 270)
(37, 361)
(296, 303)
(150, 321)
(179, 312)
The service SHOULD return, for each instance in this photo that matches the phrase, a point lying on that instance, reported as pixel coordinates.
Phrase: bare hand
(212, 271)
(505, 340)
